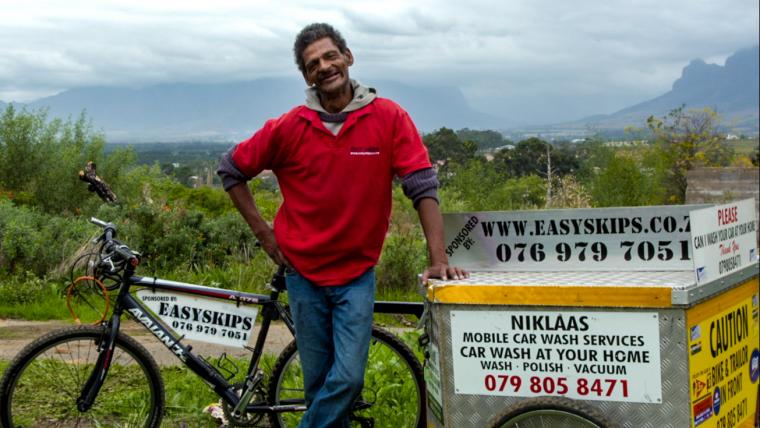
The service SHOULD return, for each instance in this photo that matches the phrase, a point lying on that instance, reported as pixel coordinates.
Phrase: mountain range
(232, 111)
(732, 90)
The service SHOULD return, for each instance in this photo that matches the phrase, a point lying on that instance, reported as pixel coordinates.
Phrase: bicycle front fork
(97, 377)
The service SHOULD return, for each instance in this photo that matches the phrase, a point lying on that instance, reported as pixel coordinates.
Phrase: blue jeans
(333, 329)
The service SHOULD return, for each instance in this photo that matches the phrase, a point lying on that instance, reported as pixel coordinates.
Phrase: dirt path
(15, 334)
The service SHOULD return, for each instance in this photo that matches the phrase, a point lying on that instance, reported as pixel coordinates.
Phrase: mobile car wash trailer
(632, 317)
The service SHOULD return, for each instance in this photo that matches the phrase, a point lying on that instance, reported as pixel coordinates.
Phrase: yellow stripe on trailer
(552, 295)
(720, 303)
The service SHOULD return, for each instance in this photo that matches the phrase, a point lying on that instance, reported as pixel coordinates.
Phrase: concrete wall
(722, 185)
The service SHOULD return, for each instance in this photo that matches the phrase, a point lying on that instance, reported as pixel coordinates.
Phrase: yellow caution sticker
(724, 359)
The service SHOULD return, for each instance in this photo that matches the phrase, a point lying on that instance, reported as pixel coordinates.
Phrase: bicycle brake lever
(108, 260)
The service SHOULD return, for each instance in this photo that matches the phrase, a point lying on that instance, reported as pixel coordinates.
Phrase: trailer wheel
(546, 412)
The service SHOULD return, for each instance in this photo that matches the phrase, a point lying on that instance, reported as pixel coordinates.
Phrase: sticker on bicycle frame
(604, 356)
(206, 320)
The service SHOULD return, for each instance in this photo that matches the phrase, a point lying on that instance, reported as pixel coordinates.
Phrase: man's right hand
(243, 199)
(269, 245)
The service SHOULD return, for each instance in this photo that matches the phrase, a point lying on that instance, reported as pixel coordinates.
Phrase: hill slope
(732, 90)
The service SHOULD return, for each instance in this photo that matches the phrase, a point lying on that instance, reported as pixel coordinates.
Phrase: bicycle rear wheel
(549, 412)
(393, 386)
(41, 385)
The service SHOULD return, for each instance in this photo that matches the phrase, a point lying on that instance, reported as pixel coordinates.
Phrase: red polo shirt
(336, 188)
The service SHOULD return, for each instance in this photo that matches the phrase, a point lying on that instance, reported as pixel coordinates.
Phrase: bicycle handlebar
(100, 222)
(109, 233)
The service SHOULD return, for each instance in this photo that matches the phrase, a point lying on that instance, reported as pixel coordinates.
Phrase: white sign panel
(607, 356)
(640, 238)
(207, 320)
(723, 239)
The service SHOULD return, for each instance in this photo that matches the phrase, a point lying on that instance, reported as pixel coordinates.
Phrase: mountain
(232, 111)
(733, 90)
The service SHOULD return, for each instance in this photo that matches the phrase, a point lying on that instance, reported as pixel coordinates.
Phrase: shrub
(36, 242)
(40, 158)
(22, 289)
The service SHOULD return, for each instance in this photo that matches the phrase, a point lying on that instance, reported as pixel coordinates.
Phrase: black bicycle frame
(272, 309)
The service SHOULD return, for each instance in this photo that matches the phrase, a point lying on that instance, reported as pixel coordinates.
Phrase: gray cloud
(538, 60)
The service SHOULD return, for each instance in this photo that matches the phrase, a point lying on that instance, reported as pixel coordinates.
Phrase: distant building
(625, 143)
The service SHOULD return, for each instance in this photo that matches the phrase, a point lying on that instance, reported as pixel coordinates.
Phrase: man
(335, 159)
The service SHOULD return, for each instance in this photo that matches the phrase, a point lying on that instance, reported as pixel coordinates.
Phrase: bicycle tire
(549, 412)
(399, 404)
(41, 385)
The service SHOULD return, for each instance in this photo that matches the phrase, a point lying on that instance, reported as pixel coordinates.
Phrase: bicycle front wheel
(41, 385)
(549, 412)
(393, 386)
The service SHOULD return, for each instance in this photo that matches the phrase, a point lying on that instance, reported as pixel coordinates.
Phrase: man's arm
(432, 224)
(243, 199)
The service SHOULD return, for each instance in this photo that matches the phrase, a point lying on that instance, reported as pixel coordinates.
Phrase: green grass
(49, 385)
(32, 298)
(746, 146)
(389, 390)
(19, 301)
(397, 295)
(187, 395)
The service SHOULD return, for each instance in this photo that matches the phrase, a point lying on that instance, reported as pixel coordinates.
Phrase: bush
(40, 159)
(404, 257)
(37, 242)
(476, 186)
(23, 289)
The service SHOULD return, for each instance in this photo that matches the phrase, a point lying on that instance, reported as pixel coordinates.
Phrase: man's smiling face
(326, 67)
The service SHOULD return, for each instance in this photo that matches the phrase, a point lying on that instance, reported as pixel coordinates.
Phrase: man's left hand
(444, 272)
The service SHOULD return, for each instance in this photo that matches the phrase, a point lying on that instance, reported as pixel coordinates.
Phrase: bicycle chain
(248, 419)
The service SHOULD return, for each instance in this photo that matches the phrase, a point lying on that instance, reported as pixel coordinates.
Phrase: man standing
(335, 159)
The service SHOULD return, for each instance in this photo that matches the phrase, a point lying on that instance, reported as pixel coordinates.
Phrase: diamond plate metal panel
(666, 279)
(464, 411)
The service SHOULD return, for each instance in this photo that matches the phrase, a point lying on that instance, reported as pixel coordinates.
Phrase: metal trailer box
(646, 348)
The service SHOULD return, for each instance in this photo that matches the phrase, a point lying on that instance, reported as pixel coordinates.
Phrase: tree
(40, 159)
(532, 156)
(687, 139)
(485, 140)
(445, 145)
(476, 186)
(619, 184)
(20, 136)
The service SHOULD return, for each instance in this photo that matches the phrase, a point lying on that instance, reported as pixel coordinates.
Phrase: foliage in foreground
(195, 234)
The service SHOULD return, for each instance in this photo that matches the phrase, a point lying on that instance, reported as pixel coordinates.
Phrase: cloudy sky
(530, 60)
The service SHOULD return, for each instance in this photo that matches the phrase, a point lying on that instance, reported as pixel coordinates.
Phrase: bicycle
(106, 378)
